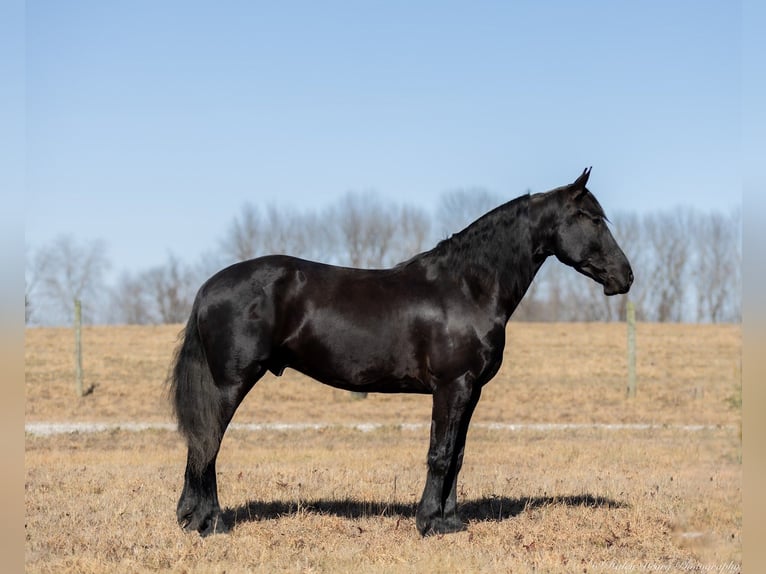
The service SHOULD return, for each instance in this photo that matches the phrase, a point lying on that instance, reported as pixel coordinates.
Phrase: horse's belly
(384, 384)
(364, 364)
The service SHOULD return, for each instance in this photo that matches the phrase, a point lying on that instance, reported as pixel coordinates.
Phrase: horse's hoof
(213, 525)
(206, 523)
(441, 526)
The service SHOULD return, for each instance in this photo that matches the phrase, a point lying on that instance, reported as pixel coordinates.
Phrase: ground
(586, 498)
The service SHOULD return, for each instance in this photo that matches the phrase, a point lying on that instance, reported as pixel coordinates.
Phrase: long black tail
(195, 398)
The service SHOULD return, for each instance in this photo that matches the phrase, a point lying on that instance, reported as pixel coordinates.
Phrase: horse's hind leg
(198, 507)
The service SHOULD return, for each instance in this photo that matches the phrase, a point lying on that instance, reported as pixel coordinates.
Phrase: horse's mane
(497, 244)
(478, 238)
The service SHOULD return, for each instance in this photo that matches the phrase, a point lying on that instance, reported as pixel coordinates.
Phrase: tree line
(687, 262)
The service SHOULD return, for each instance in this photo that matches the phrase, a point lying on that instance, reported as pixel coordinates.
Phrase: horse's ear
(579, 183)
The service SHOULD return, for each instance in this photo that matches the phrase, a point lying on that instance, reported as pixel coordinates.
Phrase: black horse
(434, 324)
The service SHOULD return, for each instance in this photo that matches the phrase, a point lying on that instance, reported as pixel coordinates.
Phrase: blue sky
(149, 124)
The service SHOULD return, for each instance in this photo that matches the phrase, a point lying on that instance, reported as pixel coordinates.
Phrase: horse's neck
(543, 213)
(504, 244)
(539, 215)
(516, 283)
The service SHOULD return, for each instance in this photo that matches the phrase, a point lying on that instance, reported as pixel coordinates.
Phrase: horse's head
(581, 238)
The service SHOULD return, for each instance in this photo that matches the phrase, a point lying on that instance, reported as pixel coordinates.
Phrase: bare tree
(163, 294)
(208, 263)
(678, 257)
(297, 233)
(554, 285)
(669, 244)
(459, 207)
(275, 230)
(170, 290)
(243, 239)
(371, 232)
(279, 230)
(628, 230)
(535, 306)
(130, 302)
(365, 228)
(412, 235)
(313, 238)
(717, 268)
(586, 301)
(31, 281)
(70, 270)
(687, 264)
(27, 307)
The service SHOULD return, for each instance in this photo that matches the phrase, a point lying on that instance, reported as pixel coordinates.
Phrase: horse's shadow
(485, 509)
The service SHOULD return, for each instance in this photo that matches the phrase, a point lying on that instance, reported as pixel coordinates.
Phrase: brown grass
(551, 373)
(340, 500)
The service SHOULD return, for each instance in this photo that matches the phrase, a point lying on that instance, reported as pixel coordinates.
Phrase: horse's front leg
(450, 504)
(451, 412)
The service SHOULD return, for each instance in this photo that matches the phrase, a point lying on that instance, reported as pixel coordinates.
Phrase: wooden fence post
(631, 320)
(78, 347)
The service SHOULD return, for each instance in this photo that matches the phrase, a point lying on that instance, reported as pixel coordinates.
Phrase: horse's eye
(594, 218)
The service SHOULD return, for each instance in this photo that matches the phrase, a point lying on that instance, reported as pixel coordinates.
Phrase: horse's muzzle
(619, 285)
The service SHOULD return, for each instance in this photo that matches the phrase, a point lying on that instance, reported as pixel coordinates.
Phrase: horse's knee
(438, 462)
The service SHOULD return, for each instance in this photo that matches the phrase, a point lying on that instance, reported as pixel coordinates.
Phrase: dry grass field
(340, 500)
